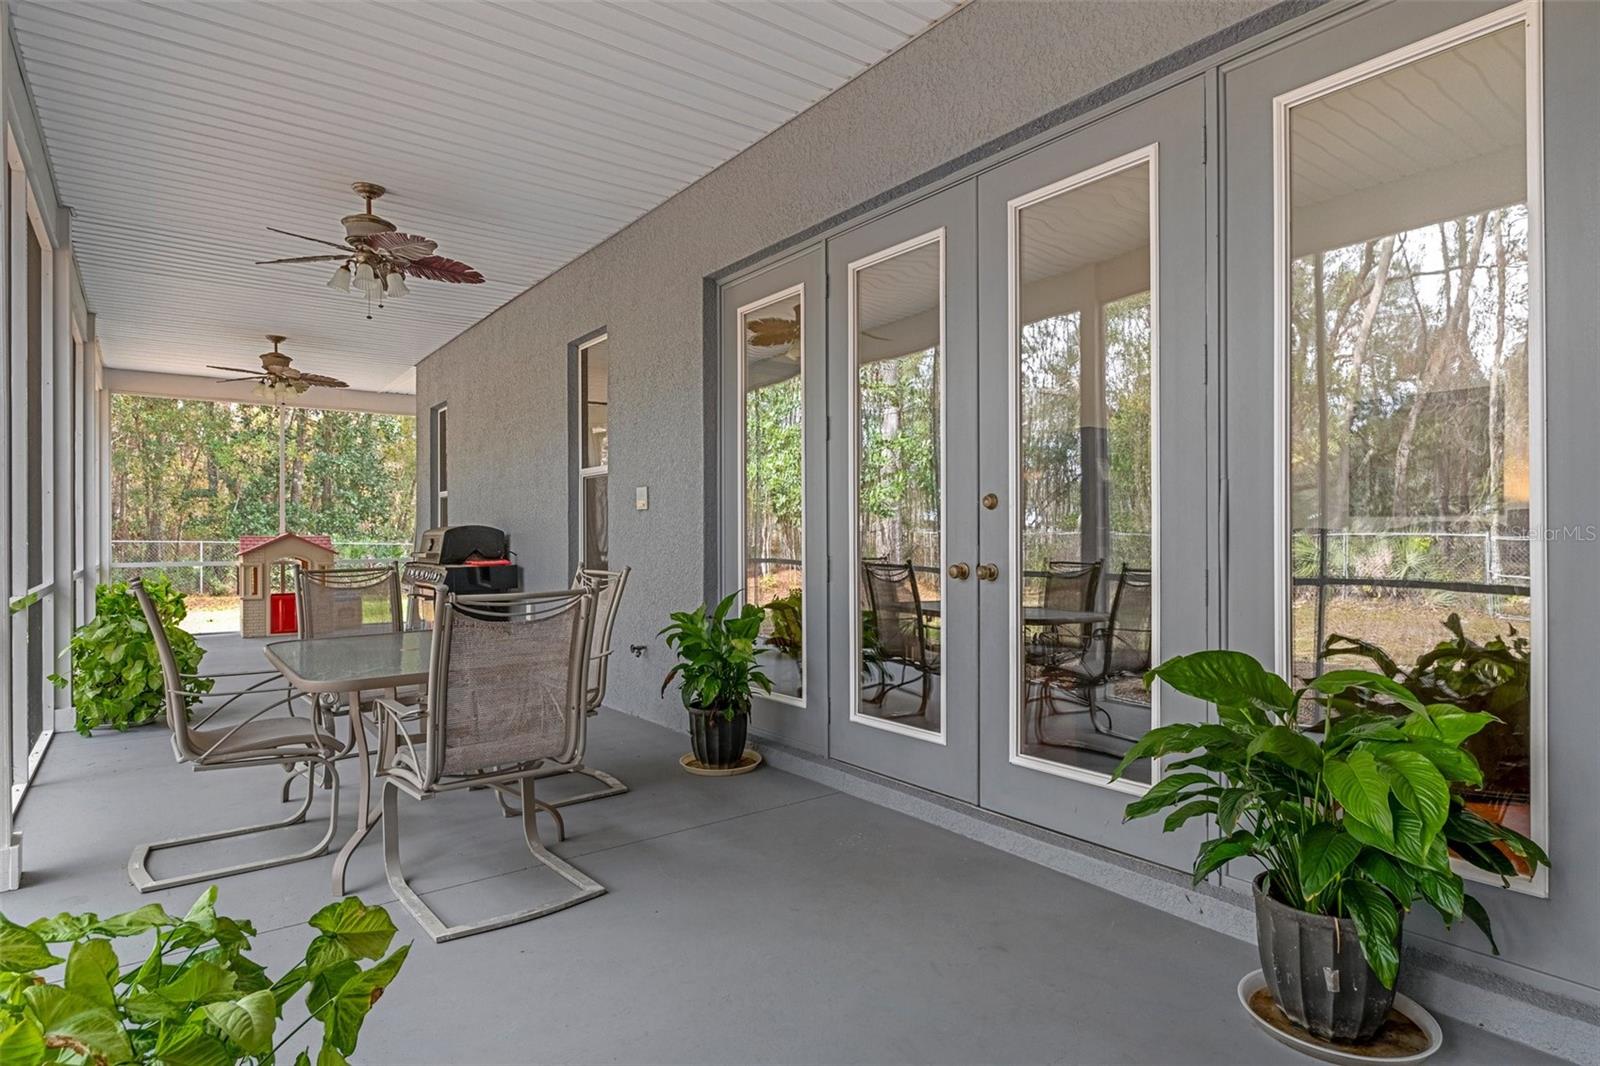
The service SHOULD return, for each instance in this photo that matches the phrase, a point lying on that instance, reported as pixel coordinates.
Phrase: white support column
(10, 841)
(62, 491)
(102, 422)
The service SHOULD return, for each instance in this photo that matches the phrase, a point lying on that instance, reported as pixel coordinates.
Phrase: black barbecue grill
(464, 559)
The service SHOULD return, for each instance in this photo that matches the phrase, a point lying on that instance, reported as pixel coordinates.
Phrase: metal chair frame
(595, 583)
(921, 662)
(421, 774)
(1073, 679)
(315, 748)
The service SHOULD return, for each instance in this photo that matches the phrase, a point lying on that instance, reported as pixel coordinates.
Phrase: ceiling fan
(278, 379)
(375, 259)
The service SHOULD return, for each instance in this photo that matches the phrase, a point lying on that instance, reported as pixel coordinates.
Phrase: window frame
(439, 459)
(796, 291)
(1149, 156)
(589, 473)
(1527, 13)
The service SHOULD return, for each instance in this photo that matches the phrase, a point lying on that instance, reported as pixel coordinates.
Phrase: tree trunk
(1340, 505)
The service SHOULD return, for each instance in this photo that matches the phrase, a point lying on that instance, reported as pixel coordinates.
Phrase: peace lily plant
(1351, 811)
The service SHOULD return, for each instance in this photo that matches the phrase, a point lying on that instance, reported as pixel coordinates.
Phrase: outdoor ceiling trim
(190, 387)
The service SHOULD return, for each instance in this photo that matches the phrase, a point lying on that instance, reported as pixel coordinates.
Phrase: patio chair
(1069, 585)
(255, 741)
(1121, 648)
(605, 586)
(899, 633)
(506, 698)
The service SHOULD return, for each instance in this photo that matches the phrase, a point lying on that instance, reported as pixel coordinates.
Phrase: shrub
(116, 673)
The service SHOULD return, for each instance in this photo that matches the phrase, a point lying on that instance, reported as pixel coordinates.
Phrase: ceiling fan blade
(317, 240)
(237, 370)
(324, 380)
(301, 259)
(438, 268)
(406, 246)
(230, 381)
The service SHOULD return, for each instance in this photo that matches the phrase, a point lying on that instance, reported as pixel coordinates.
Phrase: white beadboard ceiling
(517, 134)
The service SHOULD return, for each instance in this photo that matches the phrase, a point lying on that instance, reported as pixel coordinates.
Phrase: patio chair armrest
(394, 718)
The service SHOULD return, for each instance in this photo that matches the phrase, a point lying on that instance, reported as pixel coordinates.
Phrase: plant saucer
(1410, 1035)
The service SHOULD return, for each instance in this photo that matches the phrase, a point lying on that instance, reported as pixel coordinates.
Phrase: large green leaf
(1289, 746)
(1480, 918)
(343, 1017)
(364, 930)
(1192, 809)
(1377, 926)
(1322, 855)
(1178, 737)
(68, 1016)
(1388, 874)
(1169, 790)
(1444, 891)
(247, 1021)
(192, 1045)
(1214, 853)
(1360, 787)
(1227, 679)
(131, 923)
(22, 950)
(1335, 682)
(91, 969)
(1418, 785)
(22, 1044)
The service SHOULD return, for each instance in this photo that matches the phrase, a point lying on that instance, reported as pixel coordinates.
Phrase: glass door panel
(901, 329)
(1092, 428)
(774, 468)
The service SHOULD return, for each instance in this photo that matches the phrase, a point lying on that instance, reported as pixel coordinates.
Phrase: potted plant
(193, 996)
(116, 671)
(716, 670)
(1351, 812)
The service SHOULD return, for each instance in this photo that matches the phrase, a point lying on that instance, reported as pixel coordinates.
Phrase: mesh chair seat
(261, 736)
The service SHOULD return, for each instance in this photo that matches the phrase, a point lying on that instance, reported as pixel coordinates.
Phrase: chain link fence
(207, 567)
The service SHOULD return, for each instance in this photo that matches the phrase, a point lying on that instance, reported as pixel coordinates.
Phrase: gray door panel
(896, 736)
(1083, 249)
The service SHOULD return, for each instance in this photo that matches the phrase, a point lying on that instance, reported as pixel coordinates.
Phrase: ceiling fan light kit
(375, 258)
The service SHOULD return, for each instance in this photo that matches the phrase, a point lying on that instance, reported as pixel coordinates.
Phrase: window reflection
(774, 483)
(1409, 460)
(1086, 506)
(898, 304)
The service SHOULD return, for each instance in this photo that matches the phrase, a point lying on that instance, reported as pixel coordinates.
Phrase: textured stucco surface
(987, 70)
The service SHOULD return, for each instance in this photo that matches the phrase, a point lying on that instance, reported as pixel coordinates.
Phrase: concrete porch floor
(762, 918)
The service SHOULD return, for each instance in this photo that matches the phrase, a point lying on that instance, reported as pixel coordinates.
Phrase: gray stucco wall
(992, 67)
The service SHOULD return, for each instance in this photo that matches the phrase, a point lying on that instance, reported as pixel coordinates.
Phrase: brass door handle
(988, 572)
(960, 571)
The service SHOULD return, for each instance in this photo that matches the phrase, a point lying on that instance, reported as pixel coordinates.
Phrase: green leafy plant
(1350, 812)
(788, 635)
(717, 656)
(1495, 676)
(196, 999)
(116, 673)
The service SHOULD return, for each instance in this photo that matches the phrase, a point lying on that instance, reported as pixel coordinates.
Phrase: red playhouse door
(282, 617)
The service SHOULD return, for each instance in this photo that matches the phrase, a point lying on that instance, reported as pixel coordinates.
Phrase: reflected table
(349, 666)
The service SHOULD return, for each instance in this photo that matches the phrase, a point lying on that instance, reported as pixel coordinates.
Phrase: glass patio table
(349, 666)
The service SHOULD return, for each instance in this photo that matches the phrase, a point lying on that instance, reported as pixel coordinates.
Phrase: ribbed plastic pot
(718, 743)
(1320, 980)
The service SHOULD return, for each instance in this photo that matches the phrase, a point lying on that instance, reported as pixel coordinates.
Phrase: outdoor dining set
(492, 695)
(1079, 639)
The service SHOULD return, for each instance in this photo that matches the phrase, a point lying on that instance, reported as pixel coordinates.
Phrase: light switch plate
(641, 498)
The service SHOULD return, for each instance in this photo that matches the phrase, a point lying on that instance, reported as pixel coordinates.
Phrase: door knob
(988, 572)
(960, 571)
(990, 501)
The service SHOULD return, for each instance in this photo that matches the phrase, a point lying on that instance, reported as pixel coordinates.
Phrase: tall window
(1085, 366)
(593, 373)
(1412, 481)
(771, 368)
(441, 465)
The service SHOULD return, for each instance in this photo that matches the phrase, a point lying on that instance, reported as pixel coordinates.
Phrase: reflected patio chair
(1119, 649)
(896, 632)
(256, 740)
(605, 586)
(507, 686)
(1069, 585)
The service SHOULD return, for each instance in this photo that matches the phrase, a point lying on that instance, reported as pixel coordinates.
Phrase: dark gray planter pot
(717, 742)
(1322, 984)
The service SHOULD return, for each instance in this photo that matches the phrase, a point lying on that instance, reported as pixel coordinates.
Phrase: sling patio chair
(605, 588)
(1068, 586)
(896, 632)
(507, 681)
(1119, 649)
(256, 740)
